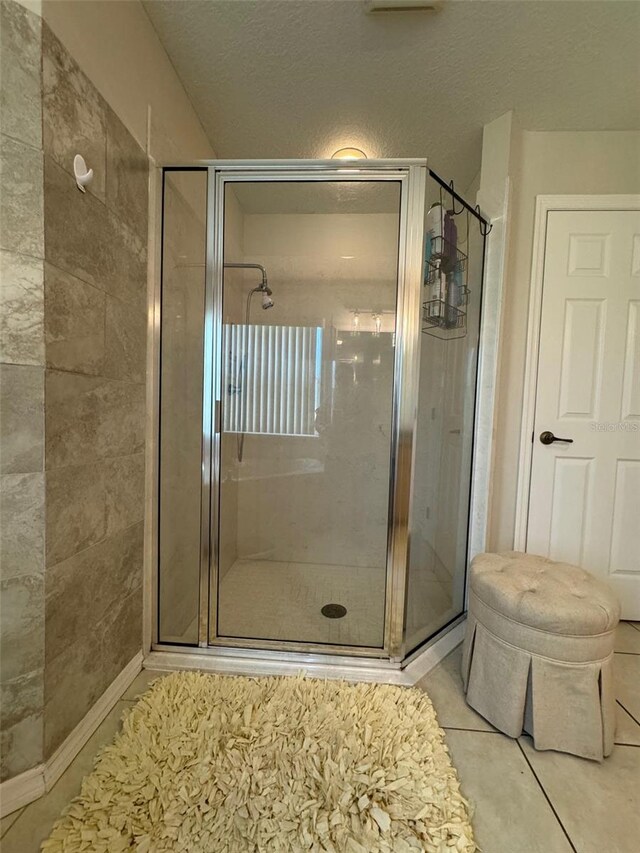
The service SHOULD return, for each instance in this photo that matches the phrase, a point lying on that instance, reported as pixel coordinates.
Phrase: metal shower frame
(412, 175)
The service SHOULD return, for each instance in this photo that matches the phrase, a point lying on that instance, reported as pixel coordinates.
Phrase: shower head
(263, 288)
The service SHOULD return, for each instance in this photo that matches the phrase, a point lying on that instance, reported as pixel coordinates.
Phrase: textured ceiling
(301, 78)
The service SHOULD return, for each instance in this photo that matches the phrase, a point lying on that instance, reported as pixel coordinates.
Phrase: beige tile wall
(95, 344)
(72, 396)
(21, 393)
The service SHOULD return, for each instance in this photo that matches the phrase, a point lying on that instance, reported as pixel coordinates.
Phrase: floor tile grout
(637, 654)
(546, 796)
(476, 731)
(624, 708)
(486, 732)
(16, 814)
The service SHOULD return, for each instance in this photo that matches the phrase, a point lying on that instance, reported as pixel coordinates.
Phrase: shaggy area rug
(220, 764)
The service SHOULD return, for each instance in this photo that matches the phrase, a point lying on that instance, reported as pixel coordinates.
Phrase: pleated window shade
(272, 378)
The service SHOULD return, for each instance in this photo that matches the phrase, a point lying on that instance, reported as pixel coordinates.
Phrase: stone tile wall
(72, 393)
(21, 393)
(95, 351)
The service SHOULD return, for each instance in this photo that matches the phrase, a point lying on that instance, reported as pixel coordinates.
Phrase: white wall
(117, 47)
(547, 163)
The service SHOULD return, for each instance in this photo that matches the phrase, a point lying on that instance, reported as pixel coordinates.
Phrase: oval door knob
(547, 437)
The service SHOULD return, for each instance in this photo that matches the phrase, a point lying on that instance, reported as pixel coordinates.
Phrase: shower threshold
(230, 660)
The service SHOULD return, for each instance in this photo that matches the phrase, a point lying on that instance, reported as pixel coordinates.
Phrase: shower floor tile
(282, 601)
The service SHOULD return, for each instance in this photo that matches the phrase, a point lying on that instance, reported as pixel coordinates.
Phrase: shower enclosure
(314, 465)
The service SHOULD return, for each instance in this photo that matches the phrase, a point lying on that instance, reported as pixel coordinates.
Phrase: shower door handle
(216, 417)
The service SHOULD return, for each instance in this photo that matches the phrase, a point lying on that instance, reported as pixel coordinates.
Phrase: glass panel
(439, 519)
(307, 393)
(182, 322)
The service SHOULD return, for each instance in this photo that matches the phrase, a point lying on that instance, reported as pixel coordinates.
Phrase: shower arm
(263, 286)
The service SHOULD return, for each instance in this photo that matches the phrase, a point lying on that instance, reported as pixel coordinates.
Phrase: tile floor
(524, 801)
(546, 802)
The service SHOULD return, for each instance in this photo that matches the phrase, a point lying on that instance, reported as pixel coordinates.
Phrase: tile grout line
(22, 363)
(93, 375)
(39, 149)
(92, 463)
(637, 654)
(624, 708)
(17, 814)
(100, 541)
(475, 731)
(546, 796)
(101, 290)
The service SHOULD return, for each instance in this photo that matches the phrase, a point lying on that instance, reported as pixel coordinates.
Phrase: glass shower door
(306, 350)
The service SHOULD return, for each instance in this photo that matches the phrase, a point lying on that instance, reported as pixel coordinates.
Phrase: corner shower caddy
(445, 316)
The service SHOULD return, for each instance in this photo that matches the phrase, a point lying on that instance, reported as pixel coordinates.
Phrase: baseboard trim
(28, 786)
(426, 660)
(69, 748)
(21, 790)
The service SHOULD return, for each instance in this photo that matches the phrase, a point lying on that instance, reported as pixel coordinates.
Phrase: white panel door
(584, 503)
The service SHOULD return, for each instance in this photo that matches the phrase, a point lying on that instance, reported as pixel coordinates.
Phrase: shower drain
(334, 611)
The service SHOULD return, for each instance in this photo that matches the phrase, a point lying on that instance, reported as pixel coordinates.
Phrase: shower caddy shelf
(447, 318)
(441, 317)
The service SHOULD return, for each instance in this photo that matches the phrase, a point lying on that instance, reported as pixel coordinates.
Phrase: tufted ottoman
(538, 652)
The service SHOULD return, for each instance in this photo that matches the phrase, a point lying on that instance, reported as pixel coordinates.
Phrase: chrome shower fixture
(262, 288)
(263, 285)
(267, 302)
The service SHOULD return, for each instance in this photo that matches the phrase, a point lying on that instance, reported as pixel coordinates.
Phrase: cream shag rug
(224, 764)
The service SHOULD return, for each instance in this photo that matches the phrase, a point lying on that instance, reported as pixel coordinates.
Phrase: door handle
(547, 437)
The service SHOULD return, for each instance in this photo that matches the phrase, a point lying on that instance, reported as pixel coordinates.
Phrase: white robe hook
(82, 175)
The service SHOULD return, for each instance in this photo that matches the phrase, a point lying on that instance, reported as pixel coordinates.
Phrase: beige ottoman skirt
(538, 652)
